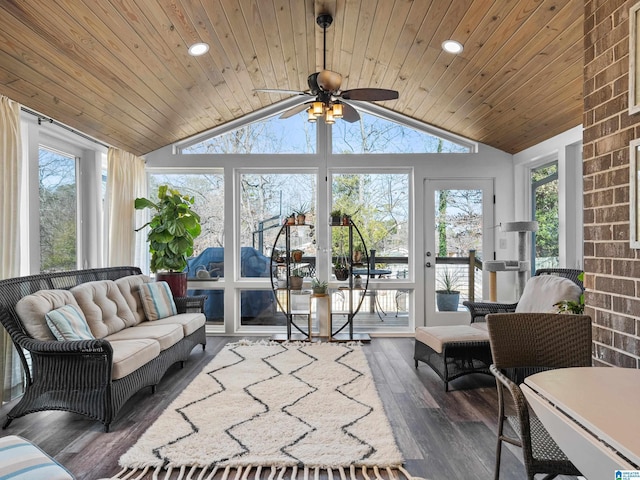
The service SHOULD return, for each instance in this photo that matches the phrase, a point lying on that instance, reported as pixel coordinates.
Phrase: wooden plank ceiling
(118, 70)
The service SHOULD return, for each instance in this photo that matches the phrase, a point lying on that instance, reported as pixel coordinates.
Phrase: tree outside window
(58, 211)
(544, 190)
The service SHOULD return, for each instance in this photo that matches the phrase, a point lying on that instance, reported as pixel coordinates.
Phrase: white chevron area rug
(273, 411)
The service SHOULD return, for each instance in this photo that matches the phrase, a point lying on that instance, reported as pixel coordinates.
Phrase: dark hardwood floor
(443, 436)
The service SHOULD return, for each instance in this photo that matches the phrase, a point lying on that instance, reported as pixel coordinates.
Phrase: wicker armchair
(478, 310)
(523, 344)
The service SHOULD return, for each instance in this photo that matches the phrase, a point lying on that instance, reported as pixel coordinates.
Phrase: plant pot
(337, 220)
(300, 219)
(447, 302)
(319, 290)
(177, 282)
(295, 283)
(341, 274)
(290, 220)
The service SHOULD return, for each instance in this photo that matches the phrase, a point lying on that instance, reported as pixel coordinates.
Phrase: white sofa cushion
(129, 355)
(541, 293)
(104, 307)
(190, 322)
(129, 288)
(32, 310)
(166, 335)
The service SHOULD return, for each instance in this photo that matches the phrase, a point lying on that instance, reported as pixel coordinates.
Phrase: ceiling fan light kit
(329, 102)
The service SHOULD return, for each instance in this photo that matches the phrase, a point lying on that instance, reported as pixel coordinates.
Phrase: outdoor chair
(453, 351)
(478, 310)
(523, 344)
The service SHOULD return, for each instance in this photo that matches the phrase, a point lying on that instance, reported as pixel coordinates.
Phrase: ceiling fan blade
(349, 114)
(280, 92)
(291, 112)
(369, 94)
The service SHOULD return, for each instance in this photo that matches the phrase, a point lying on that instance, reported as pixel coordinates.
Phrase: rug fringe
(260, 472)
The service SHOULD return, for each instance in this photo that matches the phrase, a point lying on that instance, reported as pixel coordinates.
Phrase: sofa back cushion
(541, 293)
(68, 323)
(32, 310)
(104, 307)
(129, 288)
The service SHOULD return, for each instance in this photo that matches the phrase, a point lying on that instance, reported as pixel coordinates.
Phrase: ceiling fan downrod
(324, 20)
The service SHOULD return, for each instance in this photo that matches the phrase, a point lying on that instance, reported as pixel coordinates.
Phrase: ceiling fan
(329, 102)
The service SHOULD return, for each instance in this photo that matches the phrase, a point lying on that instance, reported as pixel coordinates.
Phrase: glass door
(458, 236)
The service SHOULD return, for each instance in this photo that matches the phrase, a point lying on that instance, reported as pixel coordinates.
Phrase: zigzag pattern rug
(272, 410)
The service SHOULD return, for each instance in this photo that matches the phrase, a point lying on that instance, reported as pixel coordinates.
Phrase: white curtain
(10, 180)
(125, 182)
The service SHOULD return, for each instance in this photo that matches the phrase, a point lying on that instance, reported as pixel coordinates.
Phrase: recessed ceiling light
(452, 46)
(198, 49)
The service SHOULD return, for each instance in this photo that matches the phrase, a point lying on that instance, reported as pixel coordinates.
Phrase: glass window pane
(271, 135)
(377, 135)
(208, 192)
(458, 229)
(544, 181)
(379, 206)
(266, 200)
(259, 308)
(58, 211)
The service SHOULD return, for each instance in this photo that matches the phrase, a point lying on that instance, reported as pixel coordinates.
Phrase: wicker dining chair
(523, 344)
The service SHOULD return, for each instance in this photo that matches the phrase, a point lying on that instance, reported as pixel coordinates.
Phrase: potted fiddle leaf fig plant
(172, 229)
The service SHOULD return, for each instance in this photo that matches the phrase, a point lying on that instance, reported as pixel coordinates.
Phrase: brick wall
(612, 268)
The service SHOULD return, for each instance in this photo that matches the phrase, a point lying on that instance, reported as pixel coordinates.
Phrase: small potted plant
(172, 229)
(572, 306)
(448, 297)
(335, 217)
(295, 279)
(301, 213)
(319, 287)
(291, 219)
(346, 219)
(341, 270)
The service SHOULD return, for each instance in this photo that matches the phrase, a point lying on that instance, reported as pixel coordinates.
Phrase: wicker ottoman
(454, 350)
(22, 460)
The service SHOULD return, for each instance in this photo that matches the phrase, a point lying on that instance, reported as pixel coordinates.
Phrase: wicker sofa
(93, 377)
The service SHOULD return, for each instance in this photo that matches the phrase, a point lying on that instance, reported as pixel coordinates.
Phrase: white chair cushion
(543, 292)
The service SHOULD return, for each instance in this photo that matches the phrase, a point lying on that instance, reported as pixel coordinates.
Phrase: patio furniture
(478, 310)
(456, 350)
(523, 344)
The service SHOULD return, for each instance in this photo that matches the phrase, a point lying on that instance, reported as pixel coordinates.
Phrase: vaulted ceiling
(118, 70)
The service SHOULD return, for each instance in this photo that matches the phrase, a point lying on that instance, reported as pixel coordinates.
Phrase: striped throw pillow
(68, 323)
(21, 460)
(157, 300)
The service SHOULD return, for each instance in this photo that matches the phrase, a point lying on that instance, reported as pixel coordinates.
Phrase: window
(378, 203)
(373, 134)
(271, 135)
(266, 199)
(458, 230)
(208, 192)
(544, 202)
(58, 210)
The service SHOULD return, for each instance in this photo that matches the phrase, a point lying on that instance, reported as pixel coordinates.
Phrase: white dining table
(593, 414)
